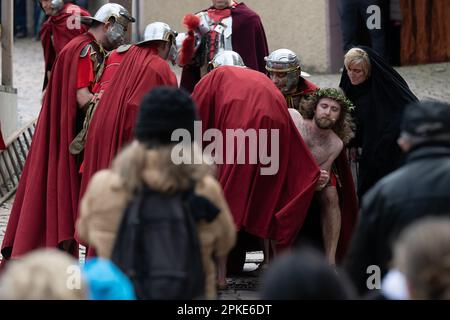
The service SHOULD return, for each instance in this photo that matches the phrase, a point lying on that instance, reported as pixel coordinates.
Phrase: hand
(323, 180)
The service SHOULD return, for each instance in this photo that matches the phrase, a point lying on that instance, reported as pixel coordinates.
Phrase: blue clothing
(106, 281)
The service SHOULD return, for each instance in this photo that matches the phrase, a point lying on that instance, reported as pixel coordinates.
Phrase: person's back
(45, 274)
(148, 162)
(249, 86)
(422, 255)
(239, 101)
(304, 275)
(142, 67)
(416, 190)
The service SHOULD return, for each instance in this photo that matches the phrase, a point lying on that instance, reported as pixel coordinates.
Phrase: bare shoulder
(295, 114)
(296, 117)
(337, 144)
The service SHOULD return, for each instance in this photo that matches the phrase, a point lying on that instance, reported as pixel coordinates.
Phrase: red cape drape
(266, 206)
(58, 31)
(2, 142)
(248, 39)
(112, 63)
(44, 210)
(112, 124)
(348, 201)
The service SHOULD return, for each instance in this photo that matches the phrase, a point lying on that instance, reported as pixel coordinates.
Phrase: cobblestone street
(427, 81)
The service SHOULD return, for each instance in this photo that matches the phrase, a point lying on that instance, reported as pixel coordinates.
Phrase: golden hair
(43, 275)
(356, 56)
(344, 126)
(422, 254)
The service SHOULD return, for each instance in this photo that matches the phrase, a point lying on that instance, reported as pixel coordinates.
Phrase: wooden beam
(127, 4)
(7, 37)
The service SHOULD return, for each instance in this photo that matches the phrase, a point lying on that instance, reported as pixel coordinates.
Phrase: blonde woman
(380, 95)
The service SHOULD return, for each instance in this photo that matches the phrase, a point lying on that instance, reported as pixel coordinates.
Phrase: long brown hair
(344, 126)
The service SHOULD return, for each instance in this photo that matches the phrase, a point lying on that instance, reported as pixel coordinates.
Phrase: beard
(324, 123)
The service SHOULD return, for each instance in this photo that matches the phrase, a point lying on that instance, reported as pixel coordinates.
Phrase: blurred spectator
(417, 189)
(422, 254)
(148, 161)
(20, 18)
(43, 275)
(354, 17)
(106, 281)
(39, 18)
(304, 275)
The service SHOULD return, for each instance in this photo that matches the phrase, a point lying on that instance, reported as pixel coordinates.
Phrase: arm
(84, 96)
(85, 79)
(325, 172)
(297, 118)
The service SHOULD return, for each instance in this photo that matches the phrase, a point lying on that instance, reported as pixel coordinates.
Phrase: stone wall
(304, 26)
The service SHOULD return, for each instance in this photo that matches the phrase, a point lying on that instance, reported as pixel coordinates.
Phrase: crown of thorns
(336, 95)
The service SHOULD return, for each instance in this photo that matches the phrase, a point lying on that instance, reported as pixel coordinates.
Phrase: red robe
(266, 206)
(112, 125)
(57, 31)
(248, 38)
(348, 202)
(2, 142)
(44, 210)
(112, 63)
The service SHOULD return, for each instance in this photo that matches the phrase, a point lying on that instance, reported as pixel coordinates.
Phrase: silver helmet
(283, 60)
(57, 5)
(159, 31)
(284, 69)
(226, 58)
(111, 10)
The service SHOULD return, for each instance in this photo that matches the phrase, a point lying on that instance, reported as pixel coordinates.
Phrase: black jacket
(420, 188)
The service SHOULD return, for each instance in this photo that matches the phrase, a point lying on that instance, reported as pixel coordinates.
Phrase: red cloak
(266, 206)
(348, 202)
(112, 63)
(306, 86)
(248, 39)
(112, 125)
(2, 142)
(44, 210)
(58, 31)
